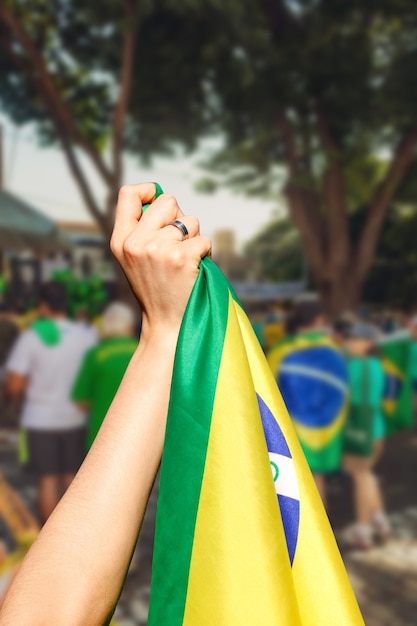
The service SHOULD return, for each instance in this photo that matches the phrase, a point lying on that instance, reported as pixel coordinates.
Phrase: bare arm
(83, 405)
(74, 572)
(15, 385)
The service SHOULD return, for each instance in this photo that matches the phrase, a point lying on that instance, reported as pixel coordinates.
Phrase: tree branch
(126, 72)
(77, 172)
(334, 196)
(303, 209)
(302, 198)
(280, 18)
(287, 135)
(384, 194)
(38, 74)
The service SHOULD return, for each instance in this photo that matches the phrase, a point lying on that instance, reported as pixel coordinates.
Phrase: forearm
(87, 543)
(74, 571)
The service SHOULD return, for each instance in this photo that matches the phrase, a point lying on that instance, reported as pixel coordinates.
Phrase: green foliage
(227, 66)
(355, 59)
(73, 38)
(276, 253)
(392, 281)
(81, 44)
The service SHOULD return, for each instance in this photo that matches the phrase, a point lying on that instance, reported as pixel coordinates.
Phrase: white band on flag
(305, 370)
(283, 473)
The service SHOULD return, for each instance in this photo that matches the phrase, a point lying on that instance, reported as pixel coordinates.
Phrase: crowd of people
(60, 375)
(337, 383)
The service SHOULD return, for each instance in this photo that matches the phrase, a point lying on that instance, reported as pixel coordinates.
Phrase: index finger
(129, 208)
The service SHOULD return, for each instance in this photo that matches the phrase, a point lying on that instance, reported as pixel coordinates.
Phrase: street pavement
(384, 578)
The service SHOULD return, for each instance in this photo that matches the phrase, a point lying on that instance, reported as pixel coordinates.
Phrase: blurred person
(82, 317)
(3, 288)
(42, 367)
(9, 331)
(395, 353)
(311, 374)
(74, 572)
(25, 313)
(274, 328)
(340, 326)
(104, 365)
(256, 315)
(364, 433)
(413, 356)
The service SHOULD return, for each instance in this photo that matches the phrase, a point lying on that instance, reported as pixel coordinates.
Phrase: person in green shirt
(104, 365)
(413, 356)
(364, 433)
(311, 374)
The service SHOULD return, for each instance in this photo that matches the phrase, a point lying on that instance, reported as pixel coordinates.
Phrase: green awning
(22, 226)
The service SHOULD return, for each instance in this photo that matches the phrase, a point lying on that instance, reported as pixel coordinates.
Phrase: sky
(40, 176)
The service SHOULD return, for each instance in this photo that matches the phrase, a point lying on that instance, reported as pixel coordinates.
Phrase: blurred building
(235, 266)
(27, 237)
(239, 271)
(90, 252)
(33, 247)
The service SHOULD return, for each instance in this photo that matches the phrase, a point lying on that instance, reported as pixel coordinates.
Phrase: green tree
(392, 281)
(276, 252)
(324, 88)
(321, 88)
(101, 77)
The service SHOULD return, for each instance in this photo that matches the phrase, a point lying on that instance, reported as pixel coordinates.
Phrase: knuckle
(150, 250)
(176, 257)
(170, 200)
(130, 247)
(196, 223)
(125, 190)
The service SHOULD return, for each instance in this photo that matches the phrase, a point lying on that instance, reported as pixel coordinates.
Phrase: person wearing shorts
(55, 452)
(42, 367)
(366, 384)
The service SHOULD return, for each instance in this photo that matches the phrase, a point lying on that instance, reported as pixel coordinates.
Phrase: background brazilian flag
(311, 374)
(395, 351)
(241, 534)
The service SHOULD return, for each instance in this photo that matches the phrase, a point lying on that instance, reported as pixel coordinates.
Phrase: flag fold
(241, 536)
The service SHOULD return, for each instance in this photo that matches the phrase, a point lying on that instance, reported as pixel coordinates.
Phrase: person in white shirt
(42, 367)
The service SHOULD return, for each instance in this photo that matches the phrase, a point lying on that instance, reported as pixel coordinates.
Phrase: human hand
(160, 265)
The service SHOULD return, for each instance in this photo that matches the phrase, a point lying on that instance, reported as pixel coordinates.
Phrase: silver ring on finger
(181, 227)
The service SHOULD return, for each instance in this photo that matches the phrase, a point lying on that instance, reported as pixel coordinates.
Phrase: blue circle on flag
(313, 384)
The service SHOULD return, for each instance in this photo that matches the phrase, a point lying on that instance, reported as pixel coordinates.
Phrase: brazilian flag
(311, 374)
(395, 351)
(241, 533)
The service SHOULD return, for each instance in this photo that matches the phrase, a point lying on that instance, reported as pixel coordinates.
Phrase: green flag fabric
(395, 350)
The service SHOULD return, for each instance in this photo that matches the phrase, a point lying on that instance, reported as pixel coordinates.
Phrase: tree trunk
(338, 265)
(339, 294)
